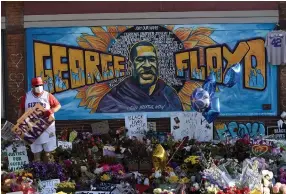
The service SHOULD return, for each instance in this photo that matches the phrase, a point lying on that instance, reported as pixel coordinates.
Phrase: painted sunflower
(102, 39)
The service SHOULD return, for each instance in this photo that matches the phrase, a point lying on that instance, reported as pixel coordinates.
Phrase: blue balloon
(213, 111)
(200, 99)
(210, 84)
(232, 75)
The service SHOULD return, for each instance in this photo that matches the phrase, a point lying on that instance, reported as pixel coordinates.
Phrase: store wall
(15, 25)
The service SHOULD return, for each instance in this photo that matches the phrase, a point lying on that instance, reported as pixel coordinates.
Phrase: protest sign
(17, 156)
(65, 145)
(100, 128)
(192, 125)
(151, 126)
(32, 124)
(278, 133)
(48, 186)
(6, 131)
(136, 125)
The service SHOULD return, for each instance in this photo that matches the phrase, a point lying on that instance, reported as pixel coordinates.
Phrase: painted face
(145, 65)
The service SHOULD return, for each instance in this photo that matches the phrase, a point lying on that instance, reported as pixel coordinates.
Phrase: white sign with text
(192, 125)
(17, 156)
(136, 125)
(49, 186)
(65, 145)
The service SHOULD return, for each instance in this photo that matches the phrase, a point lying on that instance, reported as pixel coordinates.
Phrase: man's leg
(37, 150)
(48, 148)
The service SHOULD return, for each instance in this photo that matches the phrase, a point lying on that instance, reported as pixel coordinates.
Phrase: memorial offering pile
(116, 163)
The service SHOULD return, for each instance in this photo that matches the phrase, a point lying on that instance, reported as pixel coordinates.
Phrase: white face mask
(39, 89)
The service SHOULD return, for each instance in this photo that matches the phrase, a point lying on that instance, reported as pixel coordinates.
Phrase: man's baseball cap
(37, 81)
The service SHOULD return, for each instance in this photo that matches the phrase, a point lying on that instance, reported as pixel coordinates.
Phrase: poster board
(48, 186)
(279, 133)
(6, 131)
(17, 156)
(100, 128)
(136, 125)
(32, 124)
(191, 124)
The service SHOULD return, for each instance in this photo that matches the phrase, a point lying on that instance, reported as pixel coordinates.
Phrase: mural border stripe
(151, 18)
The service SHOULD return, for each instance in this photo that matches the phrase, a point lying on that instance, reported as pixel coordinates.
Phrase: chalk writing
(236, 129)
(136, 125)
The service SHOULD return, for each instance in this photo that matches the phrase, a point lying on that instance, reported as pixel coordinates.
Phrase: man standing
(47, 141)
(144, 91)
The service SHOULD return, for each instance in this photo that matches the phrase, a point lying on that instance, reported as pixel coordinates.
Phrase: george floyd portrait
(143, 90)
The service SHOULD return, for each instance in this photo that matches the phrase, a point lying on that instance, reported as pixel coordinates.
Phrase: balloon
(232, 75)
(159, 158)
(213, 111)
(200, 99)
(210, 84)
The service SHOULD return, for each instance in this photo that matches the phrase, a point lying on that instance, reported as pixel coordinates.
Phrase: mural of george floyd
(107, 72)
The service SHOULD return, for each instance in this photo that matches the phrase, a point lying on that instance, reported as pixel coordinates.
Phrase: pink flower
(275, 189)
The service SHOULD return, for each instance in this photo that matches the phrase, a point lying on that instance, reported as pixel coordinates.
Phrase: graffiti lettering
(235, 129)
(66, 68)
(250, 53)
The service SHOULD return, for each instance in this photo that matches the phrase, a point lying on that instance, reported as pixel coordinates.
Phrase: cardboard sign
(151, 126)
(6, 131)
(17, 157)
(192, 125)
(100, 128)
(136, 125)
(32, 124)
(48, 187)
(65, 145)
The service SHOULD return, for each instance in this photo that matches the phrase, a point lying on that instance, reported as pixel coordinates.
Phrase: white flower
(158, 174)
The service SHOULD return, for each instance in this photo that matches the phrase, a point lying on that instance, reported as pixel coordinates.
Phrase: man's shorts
(47, 147)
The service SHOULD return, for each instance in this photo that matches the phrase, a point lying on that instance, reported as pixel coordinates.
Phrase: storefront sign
(32, 124)
(17, 157)
(48, 187)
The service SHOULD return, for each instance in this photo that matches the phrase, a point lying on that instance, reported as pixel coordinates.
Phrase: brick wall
(15, 57)
(16, 68)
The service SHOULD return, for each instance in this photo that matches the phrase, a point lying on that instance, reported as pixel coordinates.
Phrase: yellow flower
(105, 177)
(169, 169)
(61, 192)
(120, 172)
(173, 179)
(184, 180)
(192, 159)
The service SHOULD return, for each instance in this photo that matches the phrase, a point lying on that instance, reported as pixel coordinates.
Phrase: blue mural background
(234, 101)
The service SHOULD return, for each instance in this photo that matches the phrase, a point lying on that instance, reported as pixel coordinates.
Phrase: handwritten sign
(100, 128)
(32, 124)
(192, 125)
(17, 157)
(151, 126)
(92, 192)
(136, 125)
(65, 145)
(278, 132)
(6, 131)
(48, 187)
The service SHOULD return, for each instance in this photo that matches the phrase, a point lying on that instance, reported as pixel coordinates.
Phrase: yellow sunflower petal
(170, 27)
(121, 28)
(203, 40)
(96, 43)
(92, 102)
(183, 33)
(112, 30)
(203, 31)
(95, 105)
(82, 43)
(101, 33)
(190, 44)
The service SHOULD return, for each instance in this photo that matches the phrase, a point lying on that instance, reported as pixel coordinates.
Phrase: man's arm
(55, 105)
(56, 108)
(22, 107)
